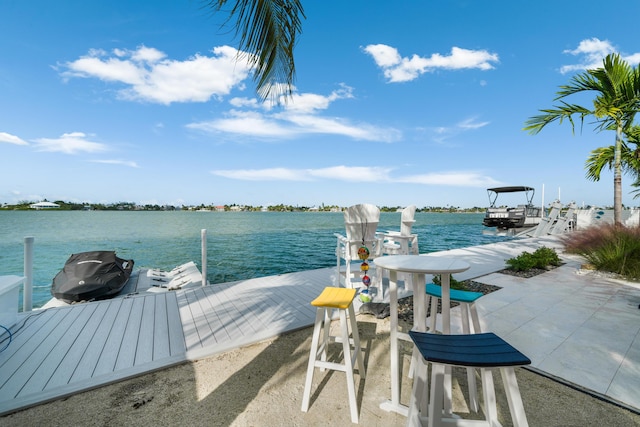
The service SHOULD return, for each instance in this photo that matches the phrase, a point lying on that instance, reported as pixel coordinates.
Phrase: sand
(262, 385)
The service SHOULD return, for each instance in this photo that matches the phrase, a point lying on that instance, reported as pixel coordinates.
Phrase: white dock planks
(61, 351)
(64, 350)
(227, 315)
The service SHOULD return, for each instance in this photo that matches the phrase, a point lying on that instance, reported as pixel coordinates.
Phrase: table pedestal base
(399, 408)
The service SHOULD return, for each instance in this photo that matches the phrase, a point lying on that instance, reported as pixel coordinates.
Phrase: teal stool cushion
(454, 294)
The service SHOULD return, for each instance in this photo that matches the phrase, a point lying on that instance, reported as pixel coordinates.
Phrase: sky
(409, 102)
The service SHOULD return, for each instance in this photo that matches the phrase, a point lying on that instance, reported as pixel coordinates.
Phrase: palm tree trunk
(617, 178)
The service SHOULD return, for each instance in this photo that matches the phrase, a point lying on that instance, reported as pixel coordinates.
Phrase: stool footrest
(331, 365)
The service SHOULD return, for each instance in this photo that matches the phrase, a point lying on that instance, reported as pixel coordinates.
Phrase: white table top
(422, 264)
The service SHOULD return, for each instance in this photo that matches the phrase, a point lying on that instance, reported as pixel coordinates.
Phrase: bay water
(240, 245)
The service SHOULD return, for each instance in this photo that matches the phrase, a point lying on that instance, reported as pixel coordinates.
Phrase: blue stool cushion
(454, 294)
(475, 350)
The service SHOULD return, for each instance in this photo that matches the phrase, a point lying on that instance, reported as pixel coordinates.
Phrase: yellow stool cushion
(340, 298)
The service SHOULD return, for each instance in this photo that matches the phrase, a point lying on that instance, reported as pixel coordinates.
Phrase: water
(240, 245)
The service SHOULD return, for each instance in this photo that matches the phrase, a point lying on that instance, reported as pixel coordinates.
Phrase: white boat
(511, 220)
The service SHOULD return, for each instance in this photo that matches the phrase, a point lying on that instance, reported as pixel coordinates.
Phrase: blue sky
(395, 103)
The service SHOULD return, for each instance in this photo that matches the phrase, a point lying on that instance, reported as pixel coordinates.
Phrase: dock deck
(563, 322)
(60, 351)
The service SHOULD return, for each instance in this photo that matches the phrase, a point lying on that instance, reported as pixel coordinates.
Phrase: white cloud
(332, 126)
(633, 59)
(247, 123)
(299, 116)
(360, 174)
(471, 124)
(311, 102)
(272, 174)
(443, 133)
(12, 139)
(354, 173)
(70, 143)
(401, 69)
(384, 56)
(150, 76)
(158, 128)
(245, 102)
(340, 173)
(592, 47)
(591, 52)
(128, 163)
(453, 178)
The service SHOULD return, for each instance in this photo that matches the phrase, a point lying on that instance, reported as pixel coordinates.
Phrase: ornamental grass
(608, 247)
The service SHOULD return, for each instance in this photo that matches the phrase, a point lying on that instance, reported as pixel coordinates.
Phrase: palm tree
(267, 30)
(617, 85)
(604, 157)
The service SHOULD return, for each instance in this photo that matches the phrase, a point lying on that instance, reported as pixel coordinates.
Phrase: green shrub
(523, 262)
(546, 256)
(541, 258)
(453, 283)
(608, 247)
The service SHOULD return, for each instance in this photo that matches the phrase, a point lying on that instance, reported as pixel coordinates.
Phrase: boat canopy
(493, 192)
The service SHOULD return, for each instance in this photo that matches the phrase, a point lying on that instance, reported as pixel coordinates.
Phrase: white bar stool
(340, 299)
(484, 351)
(467, 300)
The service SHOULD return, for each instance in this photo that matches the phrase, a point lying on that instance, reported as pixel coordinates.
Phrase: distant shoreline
(132, 207)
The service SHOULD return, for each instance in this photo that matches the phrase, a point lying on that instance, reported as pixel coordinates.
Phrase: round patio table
(418, 266)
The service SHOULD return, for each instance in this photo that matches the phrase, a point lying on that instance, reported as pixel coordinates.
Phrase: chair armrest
(392, 237)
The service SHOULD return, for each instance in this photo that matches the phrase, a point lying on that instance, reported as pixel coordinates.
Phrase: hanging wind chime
(363, 254)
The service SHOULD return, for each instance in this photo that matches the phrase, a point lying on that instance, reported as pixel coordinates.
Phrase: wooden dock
(64, 350)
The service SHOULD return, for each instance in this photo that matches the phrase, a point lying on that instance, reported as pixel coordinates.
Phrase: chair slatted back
(361, 222)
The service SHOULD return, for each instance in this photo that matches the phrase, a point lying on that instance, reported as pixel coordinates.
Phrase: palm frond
(267, 31)
(636, 185)
(599, 159)
(604, 157)
(579, 83)
(559, 113)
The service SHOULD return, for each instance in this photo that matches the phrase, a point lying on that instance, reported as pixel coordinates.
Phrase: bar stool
(467, 300)
(340, 299)
(484, 351)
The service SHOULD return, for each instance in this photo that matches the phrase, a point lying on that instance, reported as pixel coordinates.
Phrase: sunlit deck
(63, 350)
(582, 329)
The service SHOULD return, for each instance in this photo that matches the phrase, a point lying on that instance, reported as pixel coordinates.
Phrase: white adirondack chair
(547, 222)
(402, 242)
(564, 221)
(361, 222)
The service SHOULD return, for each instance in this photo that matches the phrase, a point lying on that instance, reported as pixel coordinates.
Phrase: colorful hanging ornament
(363, 254)
(364, 295)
